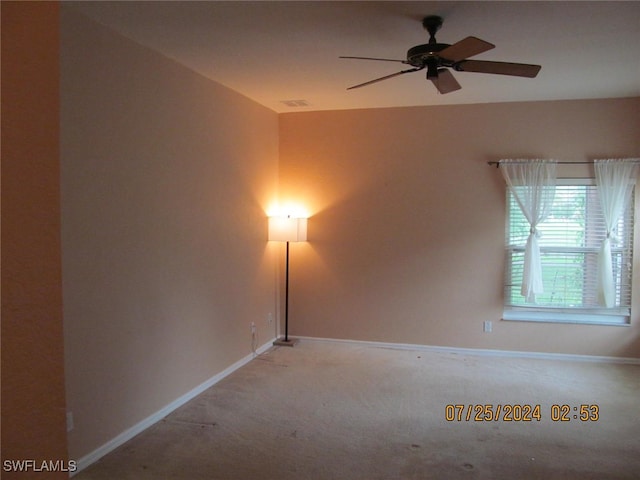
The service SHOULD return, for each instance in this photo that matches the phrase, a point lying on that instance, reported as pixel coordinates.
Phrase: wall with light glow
(406, 227)
(166, 178)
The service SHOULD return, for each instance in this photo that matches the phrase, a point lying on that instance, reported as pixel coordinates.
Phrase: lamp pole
(286, 296)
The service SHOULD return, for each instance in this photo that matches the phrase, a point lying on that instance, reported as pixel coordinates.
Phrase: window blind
(570, 239)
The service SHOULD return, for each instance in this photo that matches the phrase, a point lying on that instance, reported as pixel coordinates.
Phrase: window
(570, 239)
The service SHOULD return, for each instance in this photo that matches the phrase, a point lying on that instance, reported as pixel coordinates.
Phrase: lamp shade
(287, 229)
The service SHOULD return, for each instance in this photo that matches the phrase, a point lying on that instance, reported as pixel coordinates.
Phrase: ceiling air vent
(295, 103)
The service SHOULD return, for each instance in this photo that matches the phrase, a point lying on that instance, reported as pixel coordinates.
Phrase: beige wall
(33, 397)
(166, 177)
(407, 226)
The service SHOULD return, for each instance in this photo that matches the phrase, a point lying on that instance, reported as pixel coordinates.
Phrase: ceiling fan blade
(499, 68)
(377, 59)
(385, 77)
(445, 82)
(465, 48)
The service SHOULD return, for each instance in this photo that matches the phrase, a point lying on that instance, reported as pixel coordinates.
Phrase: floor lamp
(287, 229)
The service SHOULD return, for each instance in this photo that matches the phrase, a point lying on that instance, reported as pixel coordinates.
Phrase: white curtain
(533, 184)
(614, 180)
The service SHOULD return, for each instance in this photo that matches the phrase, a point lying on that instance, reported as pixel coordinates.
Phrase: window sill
(524, 315)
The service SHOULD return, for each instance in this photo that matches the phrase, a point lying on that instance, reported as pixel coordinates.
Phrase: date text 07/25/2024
(490, 412)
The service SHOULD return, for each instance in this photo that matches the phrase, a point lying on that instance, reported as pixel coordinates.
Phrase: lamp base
(281, 342)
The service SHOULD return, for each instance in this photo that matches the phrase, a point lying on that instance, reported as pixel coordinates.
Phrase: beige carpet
(326, 410)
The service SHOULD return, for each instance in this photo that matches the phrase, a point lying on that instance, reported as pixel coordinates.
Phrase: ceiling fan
(437, 58)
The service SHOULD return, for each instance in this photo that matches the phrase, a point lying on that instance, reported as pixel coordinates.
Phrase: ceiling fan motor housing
(419, 55)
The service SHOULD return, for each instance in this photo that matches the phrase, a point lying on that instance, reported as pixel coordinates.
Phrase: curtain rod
(497, 164)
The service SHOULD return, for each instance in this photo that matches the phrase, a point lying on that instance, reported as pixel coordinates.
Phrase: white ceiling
(288, 50)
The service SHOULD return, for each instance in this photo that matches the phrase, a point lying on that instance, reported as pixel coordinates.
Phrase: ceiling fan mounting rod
(432, 24)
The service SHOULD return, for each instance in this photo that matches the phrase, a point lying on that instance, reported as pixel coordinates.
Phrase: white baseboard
(485, 352)
(139, 427)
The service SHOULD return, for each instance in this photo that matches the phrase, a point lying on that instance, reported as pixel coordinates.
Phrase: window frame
(616, 316)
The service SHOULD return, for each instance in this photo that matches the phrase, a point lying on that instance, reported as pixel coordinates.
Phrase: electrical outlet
(253, 327)
(487, 327)
(270, 319)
